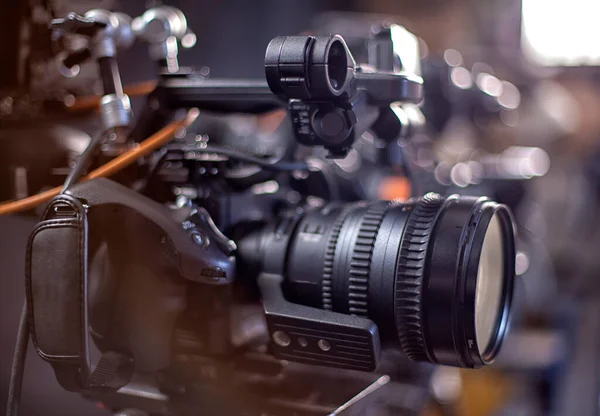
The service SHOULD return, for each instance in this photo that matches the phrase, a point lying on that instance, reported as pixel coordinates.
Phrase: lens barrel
(412, 268)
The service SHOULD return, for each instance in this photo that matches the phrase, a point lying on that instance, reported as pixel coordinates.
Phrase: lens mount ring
(409, 277)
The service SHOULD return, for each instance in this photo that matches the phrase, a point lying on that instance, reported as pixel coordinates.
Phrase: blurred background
(512, 98)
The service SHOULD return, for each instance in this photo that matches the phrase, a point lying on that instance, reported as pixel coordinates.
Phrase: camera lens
(435, 274)
(488, 293)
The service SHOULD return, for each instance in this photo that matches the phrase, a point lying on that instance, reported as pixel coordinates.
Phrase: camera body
(221, 281)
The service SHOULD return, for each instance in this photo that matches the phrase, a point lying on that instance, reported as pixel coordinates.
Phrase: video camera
(221, 282)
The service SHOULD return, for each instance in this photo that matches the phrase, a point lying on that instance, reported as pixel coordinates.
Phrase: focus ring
(327, 280)
(360, 263)
(409, 276)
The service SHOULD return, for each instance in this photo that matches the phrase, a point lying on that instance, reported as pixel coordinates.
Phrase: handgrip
(191, 257)
(56, 278)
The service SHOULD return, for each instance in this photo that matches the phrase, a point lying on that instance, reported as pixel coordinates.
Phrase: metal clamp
(162, 27)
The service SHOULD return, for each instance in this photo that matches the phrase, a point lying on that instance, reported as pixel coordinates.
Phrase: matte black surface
(410, 267)
(56, 277)
(353, 341)
(410, 277)
(152, 254)
(382, 290)
(306, 256)
(110, 76)
(454, 251)
(193, 264)
(299, 67)
(41, 395)
(217, 95)
(332, 101)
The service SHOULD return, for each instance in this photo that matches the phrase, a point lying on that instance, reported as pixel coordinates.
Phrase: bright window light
(561, 33)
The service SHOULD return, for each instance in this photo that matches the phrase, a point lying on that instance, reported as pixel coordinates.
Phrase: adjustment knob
(333, 126)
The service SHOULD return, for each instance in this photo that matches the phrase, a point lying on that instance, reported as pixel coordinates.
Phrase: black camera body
(238, 284)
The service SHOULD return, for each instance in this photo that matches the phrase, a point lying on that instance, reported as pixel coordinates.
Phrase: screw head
(324, 345)
(281, 338)
(198, 238)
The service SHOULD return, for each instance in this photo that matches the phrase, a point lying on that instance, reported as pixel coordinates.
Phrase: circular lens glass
(490, 282)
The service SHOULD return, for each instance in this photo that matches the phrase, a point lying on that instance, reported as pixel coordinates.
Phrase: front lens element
(435, 274)
(490, 282)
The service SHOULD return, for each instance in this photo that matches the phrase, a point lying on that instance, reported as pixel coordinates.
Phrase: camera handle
(57, 279)
(57, 301)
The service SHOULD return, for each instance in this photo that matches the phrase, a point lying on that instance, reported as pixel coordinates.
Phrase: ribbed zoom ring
(409, 276)
(360, 264)
(327, 280)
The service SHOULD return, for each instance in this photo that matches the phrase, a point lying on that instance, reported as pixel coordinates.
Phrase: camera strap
(57, 299)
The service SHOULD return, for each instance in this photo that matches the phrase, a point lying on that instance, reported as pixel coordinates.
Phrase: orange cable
(158, 139)
(93, 101)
